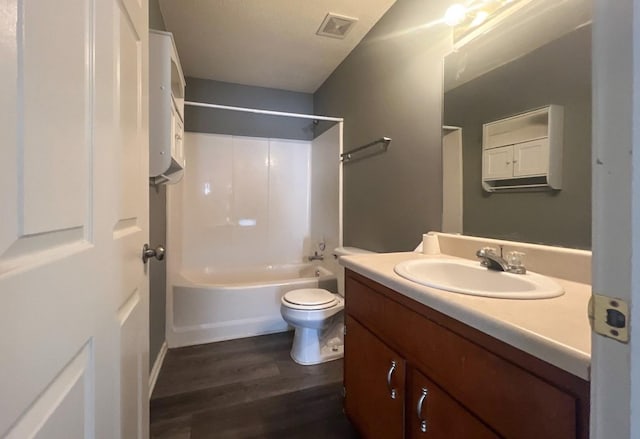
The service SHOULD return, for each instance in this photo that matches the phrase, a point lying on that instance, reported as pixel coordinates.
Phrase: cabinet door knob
(423, 422)
(392, 369)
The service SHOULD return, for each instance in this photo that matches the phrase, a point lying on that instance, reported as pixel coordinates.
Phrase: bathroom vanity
(413, 371)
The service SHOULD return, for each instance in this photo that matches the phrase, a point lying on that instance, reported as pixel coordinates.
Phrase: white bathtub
(211, 305)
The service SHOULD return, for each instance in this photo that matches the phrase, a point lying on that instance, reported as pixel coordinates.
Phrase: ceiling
(266, 43)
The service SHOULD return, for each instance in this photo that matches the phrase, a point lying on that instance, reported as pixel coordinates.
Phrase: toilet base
(314, 346)
(326, 354)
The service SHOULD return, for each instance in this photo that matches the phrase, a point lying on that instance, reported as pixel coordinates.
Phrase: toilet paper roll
(430, 245)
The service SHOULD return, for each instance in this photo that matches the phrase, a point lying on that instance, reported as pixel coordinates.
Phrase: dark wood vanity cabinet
(412, 372)
(432, 413)
(375, 377)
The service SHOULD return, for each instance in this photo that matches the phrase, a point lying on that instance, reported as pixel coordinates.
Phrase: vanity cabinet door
(374, 379)
(432, 414)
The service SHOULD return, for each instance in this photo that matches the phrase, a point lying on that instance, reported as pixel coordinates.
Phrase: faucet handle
(515, 262)
(484, 251)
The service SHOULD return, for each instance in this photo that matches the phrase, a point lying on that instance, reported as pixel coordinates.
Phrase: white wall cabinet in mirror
(166, 109)
(523, 151)
(526, 159)
(497, 163)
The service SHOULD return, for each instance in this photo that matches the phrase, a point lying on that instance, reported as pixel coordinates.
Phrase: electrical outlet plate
(609, 317)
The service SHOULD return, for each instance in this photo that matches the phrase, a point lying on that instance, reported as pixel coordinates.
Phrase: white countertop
(555, 330)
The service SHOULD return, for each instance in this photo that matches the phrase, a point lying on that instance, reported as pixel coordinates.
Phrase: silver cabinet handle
(148, 253)
(423, 397)
(392, 369)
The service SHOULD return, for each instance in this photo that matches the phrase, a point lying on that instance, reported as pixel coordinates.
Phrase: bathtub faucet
(315, 257)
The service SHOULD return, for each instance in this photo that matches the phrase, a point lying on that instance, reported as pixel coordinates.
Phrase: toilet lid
(310, 297)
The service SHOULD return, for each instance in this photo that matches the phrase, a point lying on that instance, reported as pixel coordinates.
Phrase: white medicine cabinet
(166, 110)
(523, 151)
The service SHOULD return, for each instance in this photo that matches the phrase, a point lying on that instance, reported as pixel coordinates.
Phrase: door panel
(55, 138)
(133, 396)
(65, 408)
(130, 227)
(74, 219)
(48, 137)
(129, 85)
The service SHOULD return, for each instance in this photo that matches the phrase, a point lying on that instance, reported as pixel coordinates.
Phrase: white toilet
(318, 318)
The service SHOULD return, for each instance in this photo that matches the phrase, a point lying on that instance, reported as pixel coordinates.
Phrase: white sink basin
(466, 277)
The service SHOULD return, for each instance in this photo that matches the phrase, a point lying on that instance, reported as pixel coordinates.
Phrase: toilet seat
(309, 299)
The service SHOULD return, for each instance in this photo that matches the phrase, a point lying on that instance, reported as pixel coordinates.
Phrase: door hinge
(609, 317)
(344, 392)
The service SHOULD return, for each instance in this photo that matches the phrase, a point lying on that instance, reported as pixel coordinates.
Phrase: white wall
(452, 180)
(325, 194)
(245, 202)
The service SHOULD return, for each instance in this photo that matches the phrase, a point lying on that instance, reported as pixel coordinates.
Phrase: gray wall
(205, 120)
(558, 73)
(391, 85)
(156, 21)
(157, 235)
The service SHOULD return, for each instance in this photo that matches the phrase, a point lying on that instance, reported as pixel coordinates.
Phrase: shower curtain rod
(268, 112)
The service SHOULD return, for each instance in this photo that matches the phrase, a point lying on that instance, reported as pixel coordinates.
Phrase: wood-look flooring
(247, 388)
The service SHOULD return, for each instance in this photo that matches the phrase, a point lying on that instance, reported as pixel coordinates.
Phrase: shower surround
(240, 230)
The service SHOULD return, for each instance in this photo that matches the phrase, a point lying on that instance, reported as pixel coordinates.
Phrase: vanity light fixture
(480, 18)
(455, 14)
(473, 13)
(469, 16)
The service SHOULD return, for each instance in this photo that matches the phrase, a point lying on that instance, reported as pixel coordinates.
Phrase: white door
(615, 366)
(73, 206)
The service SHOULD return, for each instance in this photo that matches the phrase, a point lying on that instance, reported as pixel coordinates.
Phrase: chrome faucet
(315, 257)
(490, 259)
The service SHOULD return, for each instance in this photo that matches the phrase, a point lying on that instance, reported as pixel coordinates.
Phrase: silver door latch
(609, 317)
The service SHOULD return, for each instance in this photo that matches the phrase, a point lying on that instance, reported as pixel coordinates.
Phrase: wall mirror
(537, 56)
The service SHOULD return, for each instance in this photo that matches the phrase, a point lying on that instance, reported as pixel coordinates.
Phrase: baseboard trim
(211, 333)
(157, 365)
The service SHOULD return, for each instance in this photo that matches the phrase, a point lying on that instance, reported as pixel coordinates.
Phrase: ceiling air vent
(336, 26)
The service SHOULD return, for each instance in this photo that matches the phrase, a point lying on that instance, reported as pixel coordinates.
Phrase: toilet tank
(345, 251)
